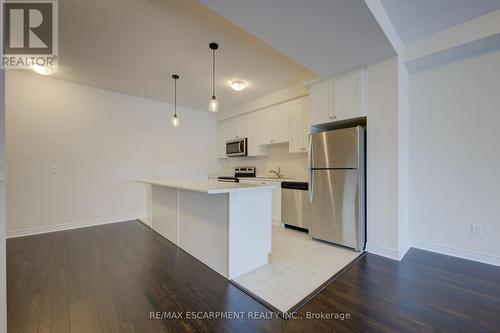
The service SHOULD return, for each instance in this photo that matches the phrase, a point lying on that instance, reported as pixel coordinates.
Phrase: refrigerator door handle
(311, 175)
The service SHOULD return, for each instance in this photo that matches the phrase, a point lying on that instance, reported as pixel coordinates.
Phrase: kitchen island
(227, 226)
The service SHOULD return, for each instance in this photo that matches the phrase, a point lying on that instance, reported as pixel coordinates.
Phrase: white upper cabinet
(253, 127)
(339, 98)
(229, 129)
(285, 122)
(241, 126)
(298, 125)
(349, 96)
(276, 124)
(321, 95)
(222, 137)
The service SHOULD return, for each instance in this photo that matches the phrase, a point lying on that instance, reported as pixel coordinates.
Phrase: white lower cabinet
(276, 195)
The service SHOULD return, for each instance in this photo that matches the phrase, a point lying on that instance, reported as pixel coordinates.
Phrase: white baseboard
(278, 223)
(460, 253)
(403, 251)
(386, 252)
(72, 225)
(146, 220)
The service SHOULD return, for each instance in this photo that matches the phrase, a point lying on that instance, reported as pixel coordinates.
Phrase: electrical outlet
(476, 230)
(55, 170)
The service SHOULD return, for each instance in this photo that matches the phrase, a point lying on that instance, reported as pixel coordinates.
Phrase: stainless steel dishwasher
(295, 204)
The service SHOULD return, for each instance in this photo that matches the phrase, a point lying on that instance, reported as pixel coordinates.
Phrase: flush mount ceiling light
(238, 85)
(213, 105)
(176, 122)
(42, 70)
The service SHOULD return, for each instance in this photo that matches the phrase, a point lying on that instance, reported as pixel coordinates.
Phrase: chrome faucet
(277, 173)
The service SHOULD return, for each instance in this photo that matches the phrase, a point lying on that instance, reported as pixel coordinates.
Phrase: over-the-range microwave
(237, 147)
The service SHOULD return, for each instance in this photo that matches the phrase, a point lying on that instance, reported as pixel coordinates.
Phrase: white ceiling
(134, 46)
(326, 36)
(415, 19)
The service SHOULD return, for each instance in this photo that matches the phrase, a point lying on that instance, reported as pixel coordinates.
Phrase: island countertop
(204, 186)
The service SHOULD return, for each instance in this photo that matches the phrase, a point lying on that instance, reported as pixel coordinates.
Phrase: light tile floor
(297, 266)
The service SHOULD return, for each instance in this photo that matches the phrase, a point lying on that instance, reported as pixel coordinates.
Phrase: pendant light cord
(175, 97)
(213, 73)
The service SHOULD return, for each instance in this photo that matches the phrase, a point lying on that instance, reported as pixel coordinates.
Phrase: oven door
(236, 147)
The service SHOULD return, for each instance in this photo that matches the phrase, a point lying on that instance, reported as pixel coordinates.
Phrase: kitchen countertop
(286, 179)
(204, 186)
(266, 178)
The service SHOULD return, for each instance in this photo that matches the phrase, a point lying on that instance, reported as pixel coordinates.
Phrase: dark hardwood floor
(109, 278)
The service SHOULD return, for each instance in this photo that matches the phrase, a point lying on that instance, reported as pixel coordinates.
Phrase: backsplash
(292, 164)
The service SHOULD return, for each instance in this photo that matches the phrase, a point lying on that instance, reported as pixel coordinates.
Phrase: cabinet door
(349, 96)
(298, 126)
(242, 126)
(321, 97)
(222, 133)
(280, 122)
(275, 129)
(232, 128)
(254, 132)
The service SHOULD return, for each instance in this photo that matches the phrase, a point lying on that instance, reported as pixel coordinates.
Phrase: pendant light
(176, 122)
(213, 105)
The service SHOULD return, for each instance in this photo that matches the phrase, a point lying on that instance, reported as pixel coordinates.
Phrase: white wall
(280, 96)
(292, 164)
(403, 158)
(3, 285)
(74, 151)
(455, 157)
(382, 159)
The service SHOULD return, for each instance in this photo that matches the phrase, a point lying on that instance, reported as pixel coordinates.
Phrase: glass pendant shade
(213, 105)
(176, 122)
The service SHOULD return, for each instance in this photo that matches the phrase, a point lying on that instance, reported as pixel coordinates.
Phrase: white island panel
(203, 228)
(227, 226)
(164, 209)
(249, 231)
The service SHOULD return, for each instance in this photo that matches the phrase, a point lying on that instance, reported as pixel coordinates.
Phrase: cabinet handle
(262, 183)
(302, 148)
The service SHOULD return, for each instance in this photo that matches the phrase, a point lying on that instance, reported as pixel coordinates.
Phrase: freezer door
(337, 149)
(335, 214)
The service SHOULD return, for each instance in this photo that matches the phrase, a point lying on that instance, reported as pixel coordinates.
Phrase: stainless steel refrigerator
(337, 187)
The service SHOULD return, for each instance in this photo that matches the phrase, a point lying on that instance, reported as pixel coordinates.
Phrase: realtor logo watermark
(29, 34)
